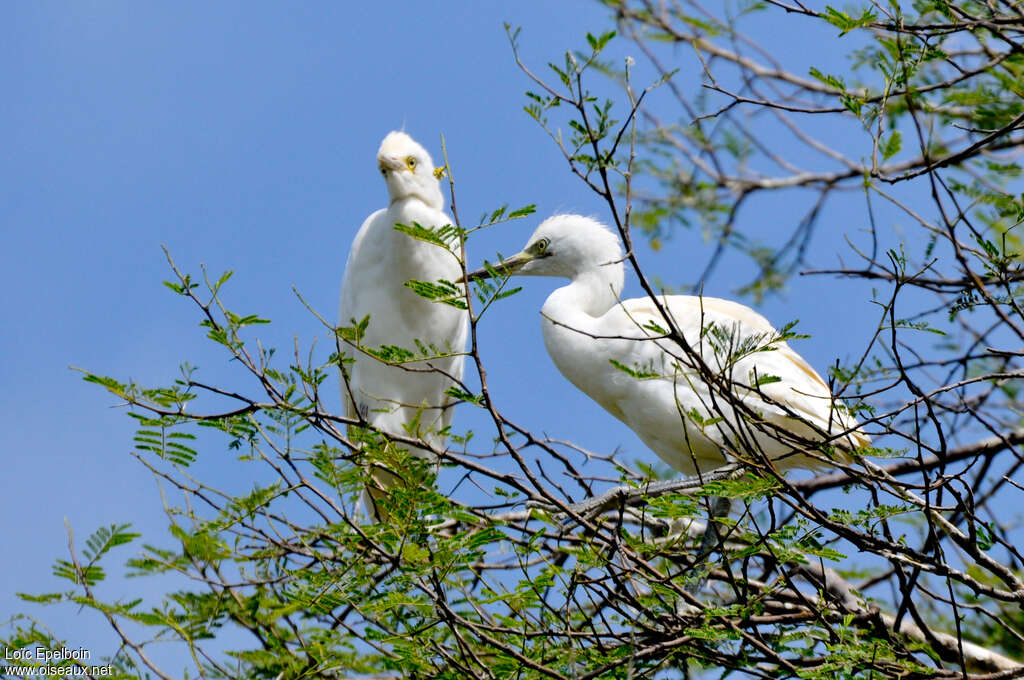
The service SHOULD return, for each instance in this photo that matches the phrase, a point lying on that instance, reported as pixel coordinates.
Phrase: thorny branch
(566, 563)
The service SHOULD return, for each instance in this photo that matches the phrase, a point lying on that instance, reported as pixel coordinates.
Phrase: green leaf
(445, 236)
(844, 22)
(463, 395)
(523, 212)
(43, 598)
(636, 372)
(113, 386)
(830, 80)
(502, 294)
(918, 326)
(104, 538)
(598, 43)
(441, 291)
(892, 145)
(88, 575)
(562, 75)
(496, 215)
(356, 332)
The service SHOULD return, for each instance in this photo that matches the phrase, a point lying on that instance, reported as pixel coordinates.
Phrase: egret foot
(628, 496)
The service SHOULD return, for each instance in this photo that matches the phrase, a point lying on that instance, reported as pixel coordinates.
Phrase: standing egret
(408, 399)
(739, 393)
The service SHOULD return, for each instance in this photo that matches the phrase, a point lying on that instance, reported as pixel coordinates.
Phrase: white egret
(411, 396)
(740, 393)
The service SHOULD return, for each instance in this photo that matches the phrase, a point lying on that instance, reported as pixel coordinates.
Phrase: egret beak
(389, 164)
(505, 268)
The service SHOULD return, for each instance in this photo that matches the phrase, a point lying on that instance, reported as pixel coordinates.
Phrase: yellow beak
(388, 163)
(502, 269)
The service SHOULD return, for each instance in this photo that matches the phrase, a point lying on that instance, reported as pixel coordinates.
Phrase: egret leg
(711, 539)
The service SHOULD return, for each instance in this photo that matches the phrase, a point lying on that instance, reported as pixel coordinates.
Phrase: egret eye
(410, 162)
(540, 246)
(384, 171)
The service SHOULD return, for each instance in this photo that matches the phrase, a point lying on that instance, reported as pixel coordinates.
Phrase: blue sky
(243, 136)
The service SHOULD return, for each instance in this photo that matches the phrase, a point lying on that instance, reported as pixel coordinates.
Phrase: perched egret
(740, 394)
(407, 399)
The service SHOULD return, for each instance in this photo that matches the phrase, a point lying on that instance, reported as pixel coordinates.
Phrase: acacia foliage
(903, 562)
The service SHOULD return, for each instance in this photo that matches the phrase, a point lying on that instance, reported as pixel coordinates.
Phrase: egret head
(408, 170)
(565, 246)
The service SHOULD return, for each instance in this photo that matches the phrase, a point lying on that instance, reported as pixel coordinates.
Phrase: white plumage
(380, 262)
(614, 352)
